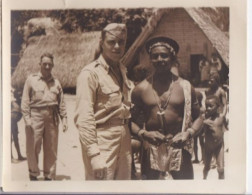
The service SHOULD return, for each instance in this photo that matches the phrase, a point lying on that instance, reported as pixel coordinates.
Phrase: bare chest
(173, 97)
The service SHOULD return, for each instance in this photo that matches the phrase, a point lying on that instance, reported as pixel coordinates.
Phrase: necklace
(161, 111)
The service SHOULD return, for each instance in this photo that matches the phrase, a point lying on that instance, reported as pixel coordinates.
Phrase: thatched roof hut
(194, 31)
(71, 53)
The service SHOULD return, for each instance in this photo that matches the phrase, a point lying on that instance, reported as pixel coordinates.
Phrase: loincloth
(165, 158)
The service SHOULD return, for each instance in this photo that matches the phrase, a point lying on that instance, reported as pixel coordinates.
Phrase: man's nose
(116, 45)
(160, 59)
(47, 66)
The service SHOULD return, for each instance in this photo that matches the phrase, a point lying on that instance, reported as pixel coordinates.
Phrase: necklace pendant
(161, 113)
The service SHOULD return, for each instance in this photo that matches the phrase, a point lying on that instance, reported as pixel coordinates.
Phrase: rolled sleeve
(84, 114)
(25, 104)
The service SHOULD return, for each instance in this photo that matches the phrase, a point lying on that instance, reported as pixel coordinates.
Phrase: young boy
(214, 142)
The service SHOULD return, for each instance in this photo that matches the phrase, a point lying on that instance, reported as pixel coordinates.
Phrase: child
(214, 142)
(215, 89)
(16, 115)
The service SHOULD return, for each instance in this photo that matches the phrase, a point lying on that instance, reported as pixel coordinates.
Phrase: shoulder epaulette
(91, 66)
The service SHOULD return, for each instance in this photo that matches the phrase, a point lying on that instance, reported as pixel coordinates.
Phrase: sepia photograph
(137, 95)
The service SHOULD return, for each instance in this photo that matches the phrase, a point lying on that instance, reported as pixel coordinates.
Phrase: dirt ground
(69, 162)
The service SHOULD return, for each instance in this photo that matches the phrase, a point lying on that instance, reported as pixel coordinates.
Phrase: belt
(44, 107)
(114, 122)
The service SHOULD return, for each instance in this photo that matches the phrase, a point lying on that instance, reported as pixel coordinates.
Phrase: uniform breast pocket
(112, 97)
(38, 94)
(53, 93)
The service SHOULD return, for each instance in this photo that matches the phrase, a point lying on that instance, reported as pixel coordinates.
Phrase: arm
(84, 114)
(197, 121)
(138, 121)
(62, 108)
(87, 83)
(25, 104)
(224, 101)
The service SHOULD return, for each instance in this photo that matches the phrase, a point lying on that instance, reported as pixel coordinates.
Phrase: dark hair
(214, 97)
(46, 54)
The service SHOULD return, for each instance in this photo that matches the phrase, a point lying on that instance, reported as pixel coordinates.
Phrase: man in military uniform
(42, 103)
(102, 110)
(167, 103)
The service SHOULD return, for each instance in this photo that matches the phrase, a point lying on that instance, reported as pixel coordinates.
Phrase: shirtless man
(214, 143)
(168, 103)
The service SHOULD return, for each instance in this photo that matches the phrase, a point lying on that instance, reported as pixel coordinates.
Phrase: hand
(180, 138)
(154, 137)
(99, 167)
(64, 124)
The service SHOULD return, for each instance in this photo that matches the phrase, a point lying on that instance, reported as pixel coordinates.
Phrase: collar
(107, 67)
(41, 77)
(104, 64)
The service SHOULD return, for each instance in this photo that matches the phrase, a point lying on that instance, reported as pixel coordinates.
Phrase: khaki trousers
(44, 129)
(115, 148)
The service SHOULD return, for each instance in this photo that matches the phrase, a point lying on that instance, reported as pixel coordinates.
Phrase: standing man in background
(42, 103)
(103, 109)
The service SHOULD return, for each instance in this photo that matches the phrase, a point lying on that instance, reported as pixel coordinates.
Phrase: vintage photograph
(144, 90)
(127, 93)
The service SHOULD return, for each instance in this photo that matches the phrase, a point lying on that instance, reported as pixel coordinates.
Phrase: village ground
(69, 162)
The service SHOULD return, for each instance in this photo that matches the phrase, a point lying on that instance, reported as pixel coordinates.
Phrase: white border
(237, 138)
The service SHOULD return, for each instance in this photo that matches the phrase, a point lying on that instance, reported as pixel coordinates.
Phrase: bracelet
(140, 133)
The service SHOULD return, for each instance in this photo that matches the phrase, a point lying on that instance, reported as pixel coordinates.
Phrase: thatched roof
(71, 53)
(218, 38)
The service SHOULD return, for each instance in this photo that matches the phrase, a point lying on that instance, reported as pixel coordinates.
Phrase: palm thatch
(219, 39)
(71, 53)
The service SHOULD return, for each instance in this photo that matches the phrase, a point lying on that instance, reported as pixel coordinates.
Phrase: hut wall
(178, 25)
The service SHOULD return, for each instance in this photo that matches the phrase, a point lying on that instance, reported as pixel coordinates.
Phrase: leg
(146, 171)
(186, 169)
(123, 169)
(202, 146)
(50, 146)
(33, 143)
(219, 154)
(208, 158)
(195, 149)
(135, 147)
(14, 131)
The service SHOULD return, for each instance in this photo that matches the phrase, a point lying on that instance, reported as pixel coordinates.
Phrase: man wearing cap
(167, 103)
(42, 104)
(103, 103)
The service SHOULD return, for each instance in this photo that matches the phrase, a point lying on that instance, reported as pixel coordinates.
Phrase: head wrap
(169, 43)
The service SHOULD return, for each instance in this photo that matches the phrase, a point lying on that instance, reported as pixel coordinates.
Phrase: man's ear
(101, 43)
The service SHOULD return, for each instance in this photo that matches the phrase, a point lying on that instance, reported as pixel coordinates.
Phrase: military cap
(167, 42)
(116, 28)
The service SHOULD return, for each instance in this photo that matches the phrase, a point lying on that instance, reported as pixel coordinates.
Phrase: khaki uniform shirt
(100, 98)
(39, 93)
